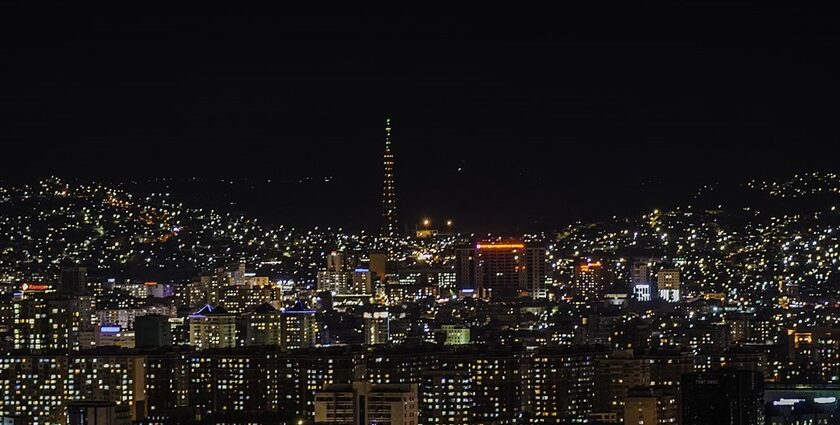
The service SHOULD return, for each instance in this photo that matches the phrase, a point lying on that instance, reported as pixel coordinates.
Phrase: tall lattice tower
(389, 197)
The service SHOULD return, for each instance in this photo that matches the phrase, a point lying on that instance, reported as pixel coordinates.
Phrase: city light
(212, 220)
(500, 246)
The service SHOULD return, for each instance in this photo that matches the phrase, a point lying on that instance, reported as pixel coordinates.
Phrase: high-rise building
(816, 349)
(465, 279)
(446, 282)
(263, 326)
(668, 284)
(499, 269)
(650, 406)
(589, 279)
(73, 280)
(448, 395)
(733, 397)
(109, 375)
(7, 321)
(336, 282)
(239, 380)
(33, 388)
(167, 382)
(335, 277)
(362, 281)
(668, 366)
(212, 284)
(152, 330)
(535, 270)
(298, 327)
(615, 374)
(366, 403)
(46, 321)
(395, 364)
(498, 381)
(160, 290)
(377, 327)
(212, 328)
(561, 385)
(389, 197)
(378, 265)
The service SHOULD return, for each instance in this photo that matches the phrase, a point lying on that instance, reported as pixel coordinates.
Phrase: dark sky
(502, 122)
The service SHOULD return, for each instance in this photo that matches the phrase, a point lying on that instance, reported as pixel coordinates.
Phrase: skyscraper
(362, 281)
(46, 321)
(73, 279)
(499, 269)
(502, 270)
(212, 328)
(465, 268)
(535, 270)
(263, 326)
(723, 397)
(378, 265)
(298, 327)
(152, 330)
(650, 405)
(335, 277)
(589, 279)
(560, 384)
(447, 395)
(376, 325)
(615, 374)
(389, 198)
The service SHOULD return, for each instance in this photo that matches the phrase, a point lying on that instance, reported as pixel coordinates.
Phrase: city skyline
(609, 215)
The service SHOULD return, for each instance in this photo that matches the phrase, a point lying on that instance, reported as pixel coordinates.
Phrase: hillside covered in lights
(723, 243)
(720, 243)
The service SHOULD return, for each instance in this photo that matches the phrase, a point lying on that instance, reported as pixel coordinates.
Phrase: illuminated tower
(389, 198)
(498, 269)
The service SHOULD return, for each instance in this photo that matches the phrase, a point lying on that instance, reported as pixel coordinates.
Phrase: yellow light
(449, 223)
(500, 246)
(426, 222)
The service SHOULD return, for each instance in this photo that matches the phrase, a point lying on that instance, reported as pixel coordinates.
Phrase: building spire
(389, 201)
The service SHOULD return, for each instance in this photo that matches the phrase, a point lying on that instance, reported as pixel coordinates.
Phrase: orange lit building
(502, 270)
(590, 279)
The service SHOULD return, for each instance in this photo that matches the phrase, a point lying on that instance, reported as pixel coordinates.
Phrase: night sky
(504, 123)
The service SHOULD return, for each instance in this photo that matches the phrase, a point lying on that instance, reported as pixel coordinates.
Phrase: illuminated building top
(492, 245)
